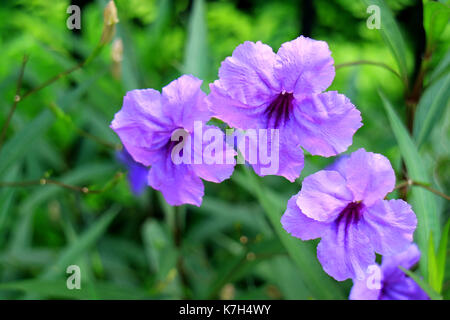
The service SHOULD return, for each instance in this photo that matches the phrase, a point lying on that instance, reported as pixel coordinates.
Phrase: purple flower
(137, 173)
(394, 284)
(260, 89)
(345, 207)
(155, 126)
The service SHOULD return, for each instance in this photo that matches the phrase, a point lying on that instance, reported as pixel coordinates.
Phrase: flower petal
(184, 102)
(324, 195)
(390, 225)
(142, 125)
(299, 225)
(271, 152)
(407, 259)
(137, 173)
(345, 252)
(217, 157)
(247, 76)
(304, 66)
(398, 286)
(177, 182)
(407, 289)
(361, 289)
(231, 111)
(326, 123)
(369, 175)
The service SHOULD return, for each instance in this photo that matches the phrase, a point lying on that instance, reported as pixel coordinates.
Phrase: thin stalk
(17, 98)
(409, 183)
(45, 181)
(373, 63)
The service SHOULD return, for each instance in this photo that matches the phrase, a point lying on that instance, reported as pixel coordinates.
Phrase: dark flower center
(351, 214)
(279, 109)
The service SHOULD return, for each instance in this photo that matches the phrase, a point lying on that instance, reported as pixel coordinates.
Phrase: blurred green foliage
(139, 247)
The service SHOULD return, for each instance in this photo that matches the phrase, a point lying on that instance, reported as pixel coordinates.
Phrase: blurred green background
(132, 247)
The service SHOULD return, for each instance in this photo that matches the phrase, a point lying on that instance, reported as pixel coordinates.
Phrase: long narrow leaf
(302, 253)
(423, 201)
(196, 59)
(425, 286)
(431, 107)
(85, 241)
(391, 35)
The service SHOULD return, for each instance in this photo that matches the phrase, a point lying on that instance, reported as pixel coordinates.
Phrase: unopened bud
(117, 50)
(110, 14)
(117, 57)
(109, 22)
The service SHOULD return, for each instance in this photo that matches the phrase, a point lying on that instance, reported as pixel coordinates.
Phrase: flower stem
(17, 98)
(45, 181)
(374, 63)
(408, 183)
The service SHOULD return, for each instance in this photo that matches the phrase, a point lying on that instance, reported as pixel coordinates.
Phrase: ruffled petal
(369, 175)
(248, 76)
(142, 125)
(339, 164)
(345, 252)
(407, 259)
(398, 286)
(390, 225)
(326, 123)
(184, 102)
(407, 289)
(177, 182)
(304, 66)
(137, 173)
(271, 152)
(233, 112)
(370, 287)
(299, 225)
(324, 195)
(217, 157)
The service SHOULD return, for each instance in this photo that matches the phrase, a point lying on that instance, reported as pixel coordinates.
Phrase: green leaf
(302, 253)
(162, 256)
(17, 146)
(158, 247)
(196, 57)
(441, 69)
(435, 18)
(431, 107)
(442, 255)
(72, 253)
(432, 265)
(392, 36)
(220, 215)
(423, 201)
(58, 289)
(6, 198)
(239, 266)
(425, 286)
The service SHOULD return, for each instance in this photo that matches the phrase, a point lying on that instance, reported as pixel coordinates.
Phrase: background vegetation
(59, 142)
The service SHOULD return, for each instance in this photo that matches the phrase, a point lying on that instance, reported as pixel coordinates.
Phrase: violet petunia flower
(393, 283)
(260, 89)
(152, 125)
(137, 173)
(344, 206)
